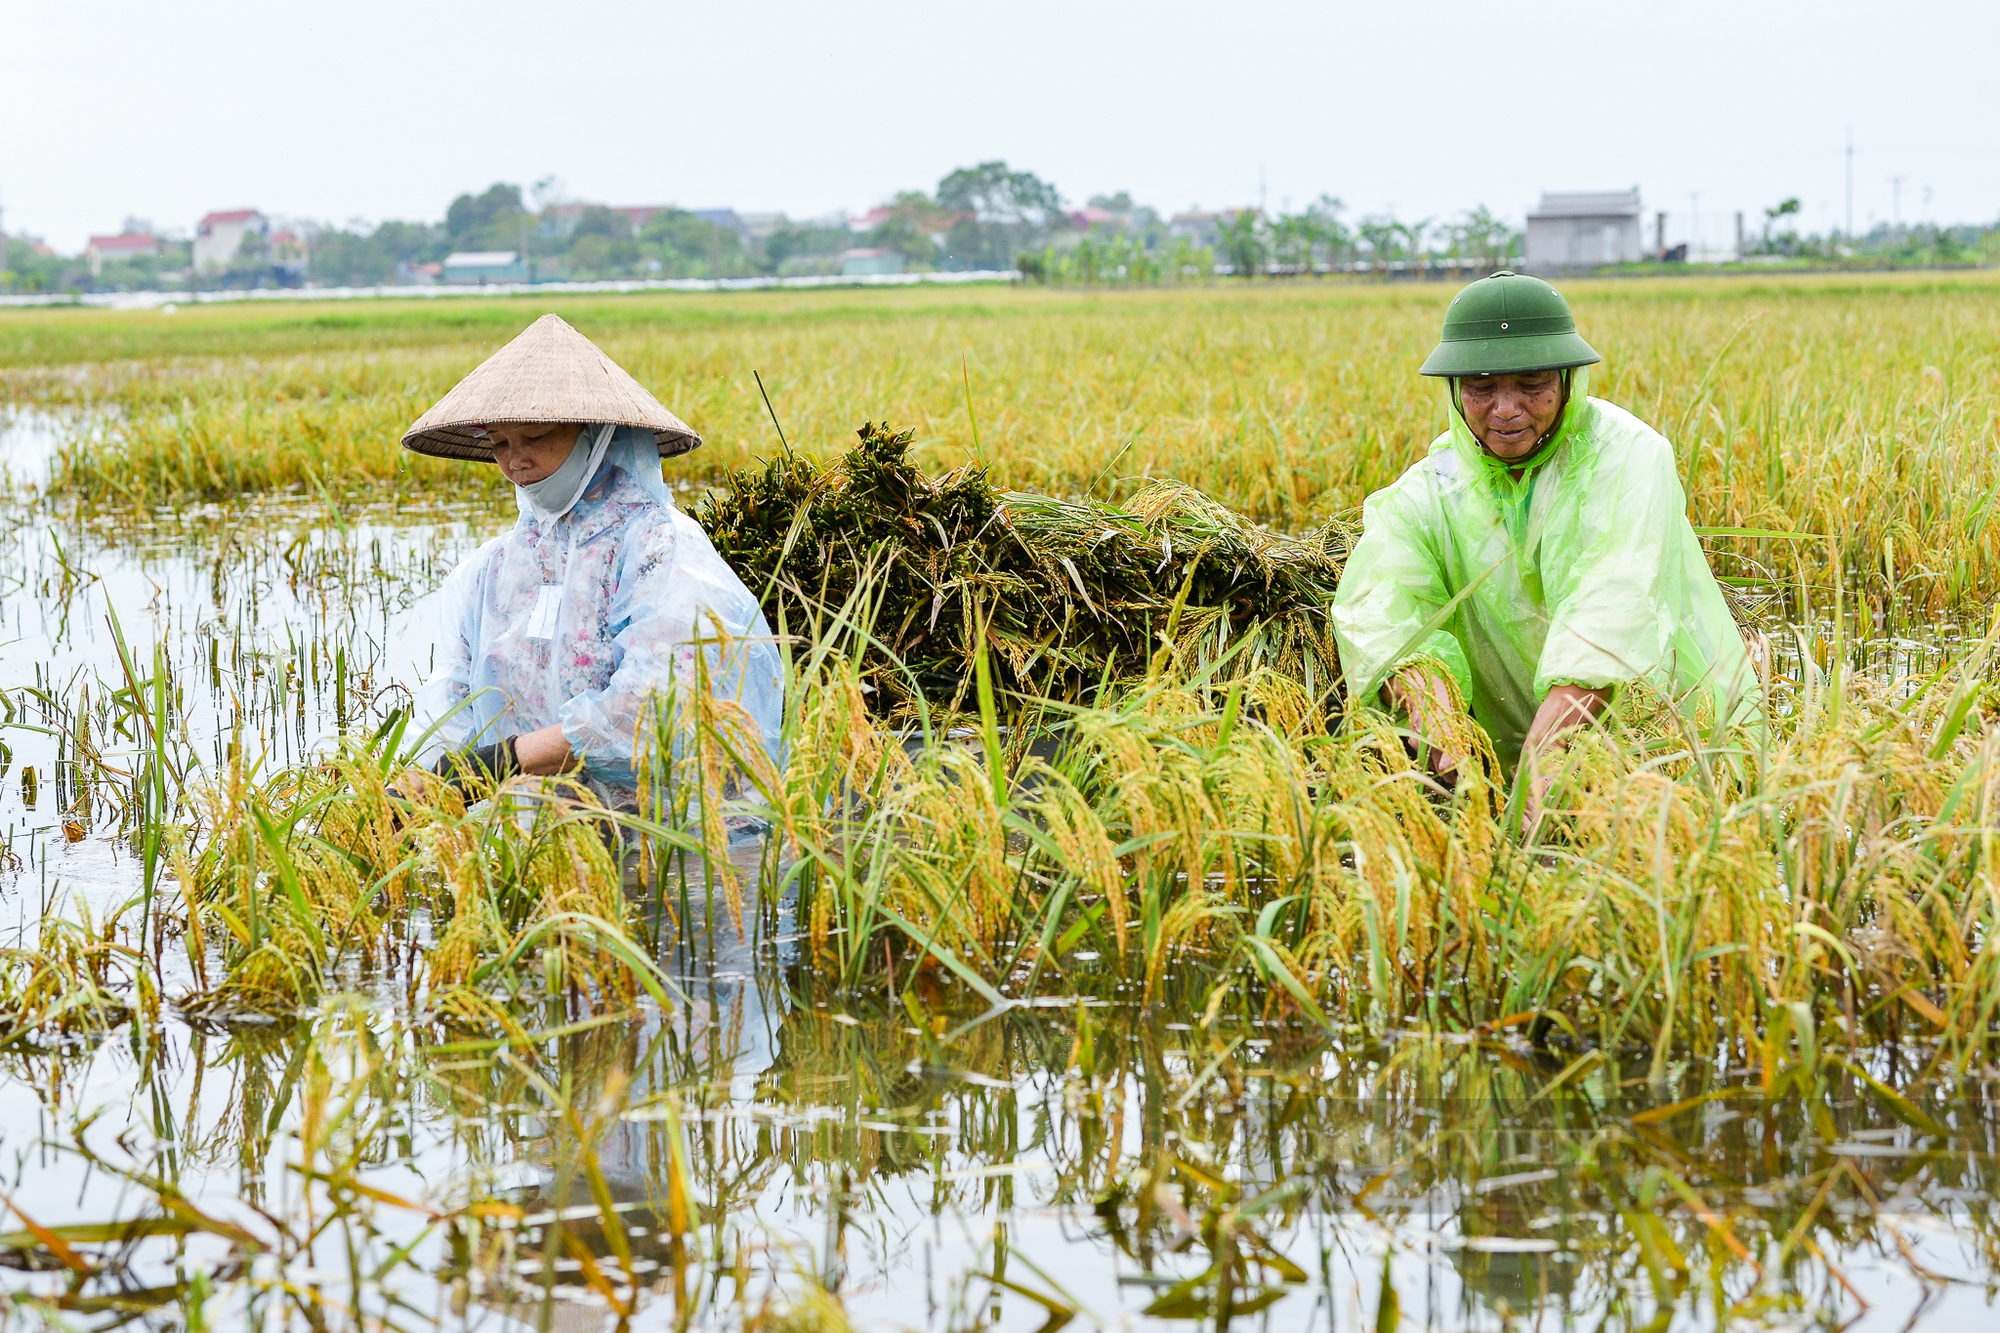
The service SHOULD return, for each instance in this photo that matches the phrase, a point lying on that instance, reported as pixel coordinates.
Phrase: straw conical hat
(549, 373)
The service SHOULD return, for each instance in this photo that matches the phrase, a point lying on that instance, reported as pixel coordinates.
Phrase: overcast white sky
(372, 109)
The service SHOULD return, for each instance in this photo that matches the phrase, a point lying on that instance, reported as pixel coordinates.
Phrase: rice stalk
(1687, 888)
(77, 981)
(318, 877)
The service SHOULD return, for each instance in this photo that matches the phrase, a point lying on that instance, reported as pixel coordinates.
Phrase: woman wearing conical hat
(559, 638)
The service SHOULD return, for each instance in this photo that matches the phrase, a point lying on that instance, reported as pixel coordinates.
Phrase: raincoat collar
(607, 502)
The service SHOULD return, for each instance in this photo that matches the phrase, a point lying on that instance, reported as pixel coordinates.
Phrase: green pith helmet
(1508, 324)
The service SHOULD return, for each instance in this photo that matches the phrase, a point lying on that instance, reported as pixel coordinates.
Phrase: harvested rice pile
(1072, 593)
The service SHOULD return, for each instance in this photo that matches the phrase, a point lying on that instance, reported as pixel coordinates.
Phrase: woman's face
(528, 451)
(1509, 414)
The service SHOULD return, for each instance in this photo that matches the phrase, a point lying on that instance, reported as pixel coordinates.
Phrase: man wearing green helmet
(1540, 555)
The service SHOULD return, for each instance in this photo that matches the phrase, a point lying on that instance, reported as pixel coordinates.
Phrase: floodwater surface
(769, 1150)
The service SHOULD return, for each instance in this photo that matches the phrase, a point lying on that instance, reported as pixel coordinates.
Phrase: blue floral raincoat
(579, 619)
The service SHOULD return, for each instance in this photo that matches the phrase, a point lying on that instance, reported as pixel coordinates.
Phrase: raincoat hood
(1576, 409)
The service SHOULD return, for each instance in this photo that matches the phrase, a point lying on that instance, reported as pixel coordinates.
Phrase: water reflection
(29, 439)
(1110, 1160)
(408, 1158)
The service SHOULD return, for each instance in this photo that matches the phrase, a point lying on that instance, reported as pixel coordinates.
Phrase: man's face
(528, 451)
(1509, 414)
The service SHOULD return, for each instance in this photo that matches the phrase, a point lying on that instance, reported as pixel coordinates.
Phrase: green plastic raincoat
(1584, 571)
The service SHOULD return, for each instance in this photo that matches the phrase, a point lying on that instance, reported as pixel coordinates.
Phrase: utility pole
(1895, 208)
(1850, 185)
(1694, 226)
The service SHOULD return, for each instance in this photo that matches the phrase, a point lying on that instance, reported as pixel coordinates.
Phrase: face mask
(555, 495)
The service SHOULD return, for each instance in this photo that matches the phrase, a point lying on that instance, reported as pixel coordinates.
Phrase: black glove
(486, 765)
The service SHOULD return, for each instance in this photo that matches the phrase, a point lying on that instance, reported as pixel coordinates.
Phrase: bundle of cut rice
(1070, 593)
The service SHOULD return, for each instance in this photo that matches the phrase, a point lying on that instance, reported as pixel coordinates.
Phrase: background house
(1195, 227)
(725, 218)
(1584, 230)
(125, 245)
(484, 266)
(863, 223)
(288, 256)
(869, 262)
(1200, 228)
(558, 221)
(219, 236)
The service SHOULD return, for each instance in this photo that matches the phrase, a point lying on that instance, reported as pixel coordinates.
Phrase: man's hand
(1566, 708)
(1421, 695)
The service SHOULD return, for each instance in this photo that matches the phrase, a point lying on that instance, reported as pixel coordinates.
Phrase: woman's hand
(1566, 708)
(535, 753)
(545, 752)
(1425, 699)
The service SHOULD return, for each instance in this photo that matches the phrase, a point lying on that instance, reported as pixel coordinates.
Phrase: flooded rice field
(775, 1144)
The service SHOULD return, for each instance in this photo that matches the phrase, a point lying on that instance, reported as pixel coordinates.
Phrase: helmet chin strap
(1458, 405)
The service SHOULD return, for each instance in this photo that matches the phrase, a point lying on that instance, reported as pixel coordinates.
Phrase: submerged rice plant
(314, 873)
(1011, 992)
(78, 979)
(1689, 895)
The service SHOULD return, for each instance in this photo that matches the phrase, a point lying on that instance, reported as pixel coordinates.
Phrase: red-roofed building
(869, 221)
(125, 245)
(219, 236)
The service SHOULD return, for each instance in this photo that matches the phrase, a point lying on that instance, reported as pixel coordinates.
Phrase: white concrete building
(1584, 230)
(125, 245)
(219, 236)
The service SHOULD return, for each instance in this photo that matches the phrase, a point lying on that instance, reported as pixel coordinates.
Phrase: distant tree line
(980, 217)
(986, 216)
(1917, 244)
